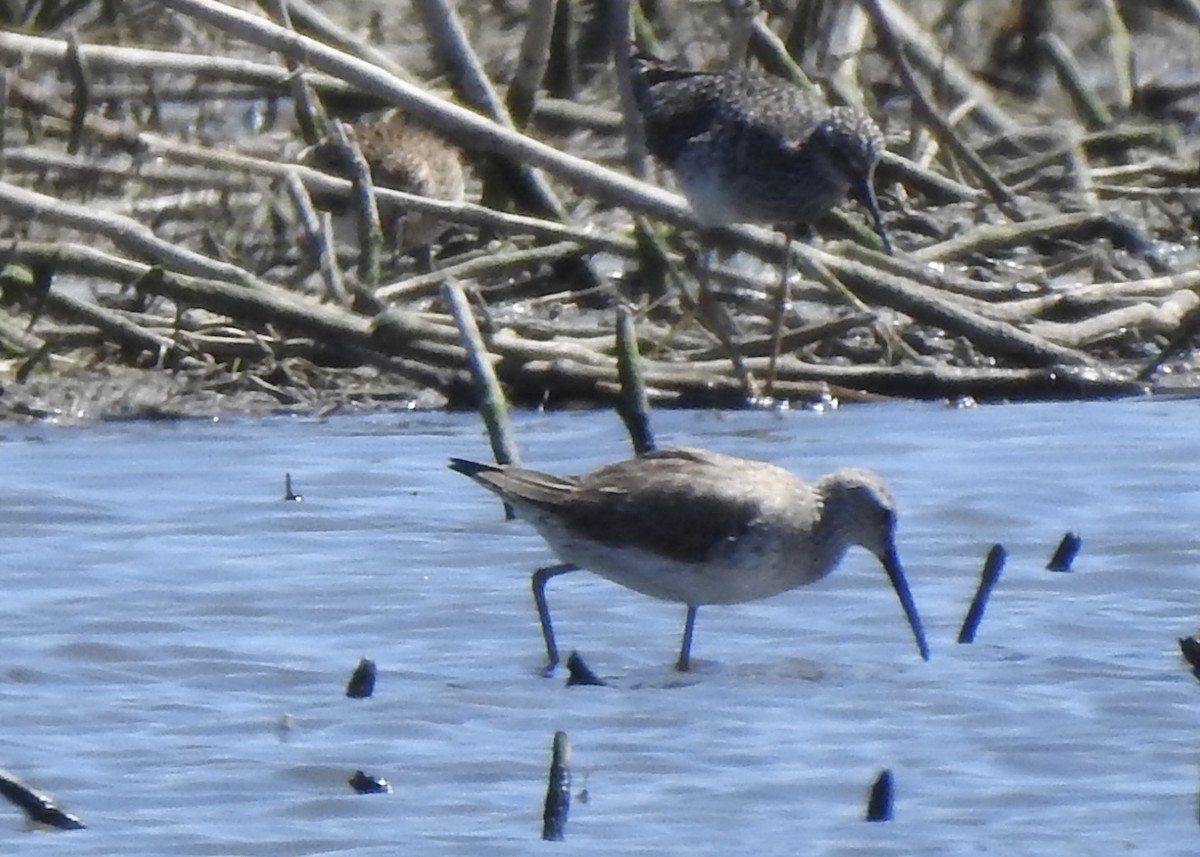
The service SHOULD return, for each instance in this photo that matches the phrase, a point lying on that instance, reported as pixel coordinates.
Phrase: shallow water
(163, 609)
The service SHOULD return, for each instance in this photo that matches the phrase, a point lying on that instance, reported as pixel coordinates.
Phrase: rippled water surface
(162, 609)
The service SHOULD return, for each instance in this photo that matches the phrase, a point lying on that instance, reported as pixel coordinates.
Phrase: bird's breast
(726, 185)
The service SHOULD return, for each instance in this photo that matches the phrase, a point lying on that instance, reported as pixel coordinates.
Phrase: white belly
(756, 567)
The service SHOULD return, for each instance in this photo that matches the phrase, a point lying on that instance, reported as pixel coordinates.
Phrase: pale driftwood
(15, 337)
(559, 112)
(1144, 318)
(465, 127)
(844, 48)
(1163, 193)
(312, 18)
(767, 46)
(473, 86)
(939, 188)
(366, 208)
(228, 161)
(319, 229)
(41, 159)
(910, 266)
(493, 406)
(709, 380)
(16, 48)
(1093, 297)
(620, 24)
(926, 305)
(924, 50)
(505, 342)
(932, 117)
(919, 302)
(491, 265)
(128, 234)
(120, 329)
(999, 236)
(1087, 104)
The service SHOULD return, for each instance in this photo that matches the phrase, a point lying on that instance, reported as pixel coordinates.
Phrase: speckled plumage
(749, 148)
(698, 527)
(402, 157)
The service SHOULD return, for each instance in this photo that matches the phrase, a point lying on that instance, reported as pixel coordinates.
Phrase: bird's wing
(773, 109)
(674, 502)
(677, 106)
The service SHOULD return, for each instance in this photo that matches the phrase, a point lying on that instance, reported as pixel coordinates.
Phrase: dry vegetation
(163, 255)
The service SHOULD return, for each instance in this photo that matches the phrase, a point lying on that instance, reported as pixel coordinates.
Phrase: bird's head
(855, 145)
(860, 510)
(860, 507)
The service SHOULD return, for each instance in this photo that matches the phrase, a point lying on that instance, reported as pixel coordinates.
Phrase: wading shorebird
(699, 527)
(751, 148)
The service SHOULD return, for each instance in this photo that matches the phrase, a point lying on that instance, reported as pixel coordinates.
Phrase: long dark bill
(891, 564)
(866, 193)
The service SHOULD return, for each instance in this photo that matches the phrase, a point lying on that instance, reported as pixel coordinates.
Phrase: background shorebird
(699, 527)
(402, 157)
(748, 148)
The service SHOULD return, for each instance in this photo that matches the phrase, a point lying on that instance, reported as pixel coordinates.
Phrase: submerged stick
(579, 673)
(362, 680)
(39, 808)
(289, 495)
(1189, 647)
(879, 804)
(991, 573)
(558, 790)
(369, 784)
(633, 405)
(1065, 554)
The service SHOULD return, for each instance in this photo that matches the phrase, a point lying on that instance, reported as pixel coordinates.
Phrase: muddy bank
(163, 255)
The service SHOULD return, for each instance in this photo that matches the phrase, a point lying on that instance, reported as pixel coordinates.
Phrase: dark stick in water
(991, 573)
(558, 790)
(1065, 554)
(362, 680)
(39, 808)
(879, 805)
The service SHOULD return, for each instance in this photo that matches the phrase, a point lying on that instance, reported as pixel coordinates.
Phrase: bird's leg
(780, 308)
(685, 648)
(724, 326)
(539, 595)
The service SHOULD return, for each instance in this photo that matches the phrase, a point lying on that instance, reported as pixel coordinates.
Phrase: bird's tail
(471, 468)
(517, 485)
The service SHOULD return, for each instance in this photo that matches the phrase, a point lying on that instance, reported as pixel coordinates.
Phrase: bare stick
(531, 63)
(879, 805)
(633, 404)
(1065, 554)
(493, 406)
(558, 790)
(987, 580)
